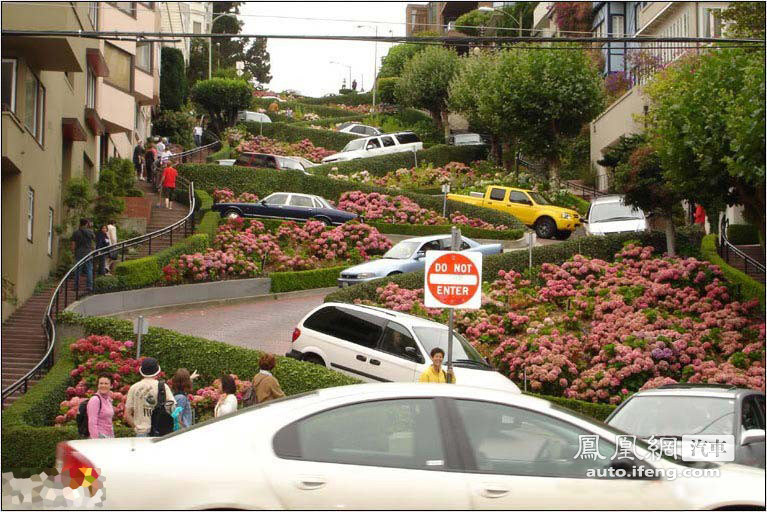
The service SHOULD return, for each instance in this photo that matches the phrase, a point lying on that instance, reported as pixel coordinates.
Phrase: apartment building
(416, 19)
(68, 104)
(183, 17)
(543, 20)
(670, 19)
(440, 16)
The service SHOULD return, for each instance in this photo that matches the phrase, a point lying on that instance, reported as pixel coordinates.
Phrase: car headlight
(566, 216)
(366, 275)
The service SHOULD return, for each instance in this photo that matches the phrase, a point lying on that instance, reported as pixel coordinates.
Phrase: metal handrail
(726, 247)
(586, 190)
(49, 324)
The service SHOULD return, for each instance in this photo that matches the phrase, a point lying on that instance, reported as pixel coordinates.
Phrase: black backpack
(162, 421)
(82, 418)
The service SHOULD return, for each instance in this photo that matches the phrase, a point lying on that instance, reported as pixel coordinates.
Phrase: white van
(609, 214)
(256, 117)
(379, 345)
(377, 145)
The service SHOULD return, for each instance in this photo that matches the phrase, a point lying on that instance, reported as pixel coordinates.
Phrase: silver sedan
(409, 256)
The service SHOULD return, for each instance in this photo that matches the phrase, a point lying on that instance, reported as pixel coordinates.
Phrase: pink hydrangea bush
(304, 148)
(225, 195)
(598, 331)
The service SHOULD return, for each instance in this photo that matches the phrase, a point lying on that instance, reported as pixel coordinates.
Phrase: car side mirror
(751, 436)
(370, 146)
(411, 351)
(584, 220)
(420, 255)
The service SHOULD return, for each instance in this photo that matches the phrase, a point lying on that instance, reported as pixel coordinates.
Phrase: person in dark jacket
(138, 159)
(102, 241)
(149, 158)
(82, 244)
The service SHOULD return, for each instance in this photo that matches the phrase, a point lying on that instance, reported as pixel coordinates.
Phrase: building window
(617, 26)
(120, 64)
(93, 14)
(50, 231)
(128, 8)
(34, 106)
(10, 74)
(712, 18)
(90, 91)
(30, 212)
(144, 56)
(197, 27)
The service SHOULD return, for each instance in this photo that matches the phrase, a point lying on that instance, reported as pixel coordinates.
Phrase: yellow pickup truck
(530, 208)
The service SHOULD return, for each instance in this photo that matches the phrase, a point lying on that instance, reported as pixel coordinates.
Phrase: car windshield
(539, 199)
(354, 145)
(605, 212)
(402, 251)
(678, 415)
(432, 337)
(322, 202)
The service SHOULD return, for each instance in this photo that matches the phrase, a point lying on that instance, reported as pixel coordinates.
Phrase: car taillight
(69, 458)
(296, 334)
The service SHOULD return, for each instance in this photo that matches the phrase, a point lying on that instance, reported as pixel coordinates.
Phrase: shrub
(173, 86)
(303, 108)
(176, 125)
(594, 410)
(209, 224)
(340, 99)
(222, 98)
(747, 287)
(743, 234)
(204, 200)
(422, 230)
(387, 89)
(332, 121)
(222, 154)
(285, 132)
(305, 279)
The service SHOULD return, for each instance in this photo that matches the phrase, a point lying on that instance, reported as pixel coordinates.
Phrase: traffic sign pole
(454, 245)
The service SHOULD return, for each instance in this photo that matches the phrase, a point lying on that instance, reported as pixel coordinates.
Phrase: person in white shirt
(142, 398)
(198, 135)
(161, 145)
(227, 403)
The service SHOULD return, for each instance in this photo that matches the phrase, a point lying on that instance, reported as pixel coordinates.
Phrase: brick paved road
(264, 324)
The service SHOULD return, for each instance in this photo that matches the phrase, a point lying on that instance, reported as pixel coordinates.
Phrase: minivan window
(407, 138)
(347, 324)
(396, 339)
(387, 141)
(432, 337)
(354, 145)
(373, 144)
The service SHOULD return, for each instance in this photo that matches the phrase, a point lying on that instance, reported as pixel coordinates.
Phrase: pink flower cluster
(305, 148)
(597, 331)
(225, 195)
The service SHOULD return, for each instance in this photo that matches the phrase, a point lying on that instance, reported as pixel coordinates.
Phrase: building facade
(68, 104)
(185, 17)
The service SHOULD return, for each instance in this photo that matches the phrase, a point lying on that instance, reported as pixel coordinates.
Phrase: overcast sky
(305, 65)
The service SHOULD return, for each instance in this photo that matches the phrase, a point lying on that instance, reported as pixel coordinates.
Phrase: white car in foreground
(376, 146)
(396, 446)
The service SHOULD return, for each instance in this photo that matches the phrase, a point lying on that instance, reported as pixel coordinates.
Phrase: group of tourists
(154, 164)
(153, 408)
(82, 244)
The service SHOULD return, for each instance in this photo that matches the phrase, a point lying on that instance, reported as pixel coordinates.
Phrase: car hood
(334, 156)
(484, 379)
(379, 267)
(559, 209)
(619, 226)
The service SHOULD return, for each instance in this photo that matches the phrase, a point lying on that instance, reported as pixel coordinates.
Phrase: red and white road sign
(453, 280)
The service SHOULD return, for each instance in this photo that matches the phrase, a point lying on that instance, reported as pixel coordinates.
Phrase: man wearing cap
(142, 398)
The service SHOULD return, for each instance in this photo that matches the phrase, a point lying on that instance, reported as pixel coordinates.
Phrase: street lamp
(210, 40)
(375, 61)
(495, 9)
(348, 66)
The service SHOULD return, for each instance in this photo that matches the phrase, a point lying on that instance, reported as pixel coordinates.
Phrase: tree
(747, 19)
(425, 81)
(173, 85)
(198, 61)
(620, 152)
(393, 62)
(643, 184)
(227, 51)
(473, 22)
(222, 98)
(257, 61)
(387, 89)
(574, 17)
(706, 121)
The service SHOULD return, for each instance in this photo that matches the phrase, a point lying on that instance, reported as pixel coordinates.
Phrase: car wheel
(563, 235)
(314, 359)
(232, 214)
(545, 227)
(323, 220)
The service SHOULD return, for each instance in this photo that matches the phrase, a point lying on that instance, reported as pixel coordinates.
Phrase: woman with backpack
(181, 384)
(227, 403)
(100, 410)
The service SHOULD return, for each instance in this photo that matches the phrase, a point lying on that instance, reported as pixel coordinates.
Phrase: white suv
(380, 345)
(375, 146)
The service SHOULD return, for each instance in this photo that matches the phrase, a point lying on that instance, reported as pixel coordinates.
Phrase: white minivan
(256, 117)
(609, 214)
(379, 345)
(376, 146)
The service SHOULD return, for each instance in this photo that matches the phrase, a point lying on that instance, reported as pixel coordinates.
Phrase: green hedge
(285, 132)
(597, 411)
(420, 230)
(204, 200)
(320, 110)
(208, 225)
(743, 234)
(437, 155)
(305, 279)
(263, 182)
(332, 121)
(340, 99)
(602, 247)
(223, 153)
(749, 288)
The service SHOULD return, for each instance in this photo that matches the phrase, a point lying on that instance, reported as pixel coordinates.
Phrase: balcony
(45, 53)
(116, 109)
(15, 143)
(143, 86)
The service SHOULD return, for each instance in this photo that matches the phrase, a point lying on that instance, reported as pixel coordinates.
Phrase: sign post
(445, 192)
(140, 327)
(453, 280)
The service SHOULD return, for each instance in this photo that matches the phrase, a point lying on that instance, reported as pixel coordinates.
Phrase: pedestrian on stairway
(149, 157)
(168, 185)
(82, 244)
(102, 242)
(138, 159)
(100, 410)
(112, 232)
(198, 135)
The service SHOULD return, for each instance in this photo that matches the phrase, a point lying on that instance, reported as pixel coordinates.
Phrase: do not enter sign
(453, 280)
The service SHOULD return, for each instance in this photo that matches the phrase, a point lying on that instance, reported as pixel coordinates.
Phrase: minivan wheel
(545, 227)
(314, 359)
(563, 235)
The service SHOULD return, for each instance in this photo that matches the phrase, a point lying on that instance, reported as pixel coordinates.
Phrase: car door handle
(310, 483)
(494, 491)
(361, 358)
(375, 362)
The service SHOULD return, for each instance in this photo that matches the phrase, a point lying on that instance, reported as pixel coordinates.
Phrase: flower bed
(246, 248)
(598, 331)
(304, 148)
(403, 210)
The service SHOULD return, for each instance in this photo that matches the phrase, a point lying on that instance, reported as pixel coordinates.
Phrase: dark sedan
(287, 206)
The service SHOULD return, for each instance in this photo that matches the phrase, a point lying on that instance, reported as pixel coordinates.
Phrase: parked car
(531, 208)
(609, 214)
(399, 446)
(287, 206)
(467, 139)
(680, 409)
(408, 256)
(376, 146)
(380, 345)
(267, 161)
(362, 130)
(256, 117)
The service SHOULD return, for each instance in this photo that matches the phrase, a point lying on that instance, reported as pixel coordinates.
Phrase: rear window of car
(407, 138)
(387, 141)
(347, 324)
(301, 201)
